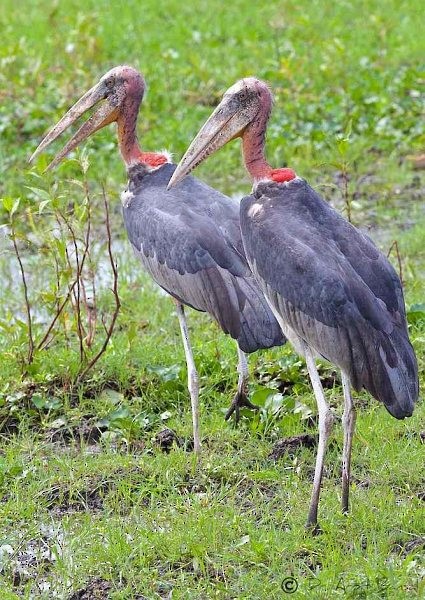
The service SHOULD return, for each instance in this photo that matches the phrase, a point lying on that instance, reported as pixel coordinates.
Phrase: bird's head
(239, 110)
(121, 89)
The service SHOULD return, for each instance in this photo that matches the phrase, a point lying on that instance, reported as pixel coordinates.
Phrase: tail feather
(259, 327)
(402, 376)
(390, 372)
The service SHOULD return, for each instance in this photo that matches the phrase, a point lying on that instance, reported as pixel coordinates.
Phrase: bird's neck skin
(253, 143)
(127, 139)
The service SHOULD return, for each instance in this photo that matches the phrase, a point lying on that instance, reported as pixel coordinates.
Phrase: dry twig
(30, 355)
(110, 329)
(394, 246)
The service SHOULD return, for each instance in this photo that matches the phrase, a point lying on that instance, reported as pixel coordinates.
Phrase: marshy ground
(99, 493)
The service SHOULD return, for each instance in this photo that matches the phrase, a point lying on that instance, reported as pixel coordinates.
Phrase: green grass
(82, 506)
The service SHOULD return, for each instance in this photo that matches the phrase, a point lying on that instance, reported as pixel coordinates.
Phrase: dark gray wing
(333, 287)
(189, 240)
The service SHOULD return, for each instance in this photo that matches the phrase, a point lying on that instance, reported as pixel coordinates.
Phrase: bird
(335, 295)
(188, 241)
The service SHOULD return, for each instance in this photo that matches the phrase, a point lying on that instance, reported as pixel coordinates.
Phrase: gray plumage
(189, 241)
(332, 288)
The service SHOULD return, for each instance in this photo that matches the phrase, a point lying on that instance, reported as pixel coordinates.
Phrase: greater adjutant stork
(333, 292)
(189, 241)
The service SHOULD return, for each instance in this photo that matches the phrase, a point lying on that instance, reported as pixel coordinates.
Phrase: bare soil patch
(63, 500)
(167, 438)
(289, 446)
(96, 589)
(405, 547)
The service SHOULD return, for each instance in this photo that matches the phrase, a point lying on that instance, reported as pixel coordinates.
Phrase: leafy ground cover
(99, 493)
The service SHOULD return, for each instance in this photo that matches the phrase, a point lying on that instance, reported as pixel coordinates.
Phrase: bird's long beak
(227, 122)
(105, 115)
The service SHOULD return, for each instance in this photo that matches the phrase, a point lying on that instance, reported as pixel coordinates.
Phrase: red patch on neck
(153, 159)
(282, 175)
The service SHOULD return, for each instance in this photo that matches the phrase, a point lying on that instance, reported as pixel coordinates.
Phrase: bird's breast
(126, 198)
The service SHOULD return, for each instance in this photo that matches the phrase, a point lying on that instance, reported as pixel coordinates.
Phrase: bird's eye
(243, 95)
(110, 83)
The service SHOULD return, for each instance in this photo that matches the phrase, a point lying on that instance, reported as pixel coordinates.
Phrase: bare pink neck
(127, 139)
(253, 142)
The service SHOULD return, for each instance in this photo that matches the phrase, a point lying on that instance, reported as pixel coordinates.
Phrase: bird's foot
(239, 401)
(314, 528)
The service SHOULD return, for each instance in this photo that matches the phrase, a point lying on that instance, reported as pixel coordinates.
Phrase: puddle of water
(11, 287)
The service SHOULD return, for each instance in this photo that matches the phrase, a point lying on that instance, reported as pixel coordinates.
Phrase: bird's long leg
(192, 377)
(348, 423)
(325, 426)
(241, 397)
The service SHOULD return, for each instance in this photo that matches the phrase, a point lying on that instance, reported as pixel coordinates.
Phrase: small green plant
(53, 247)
